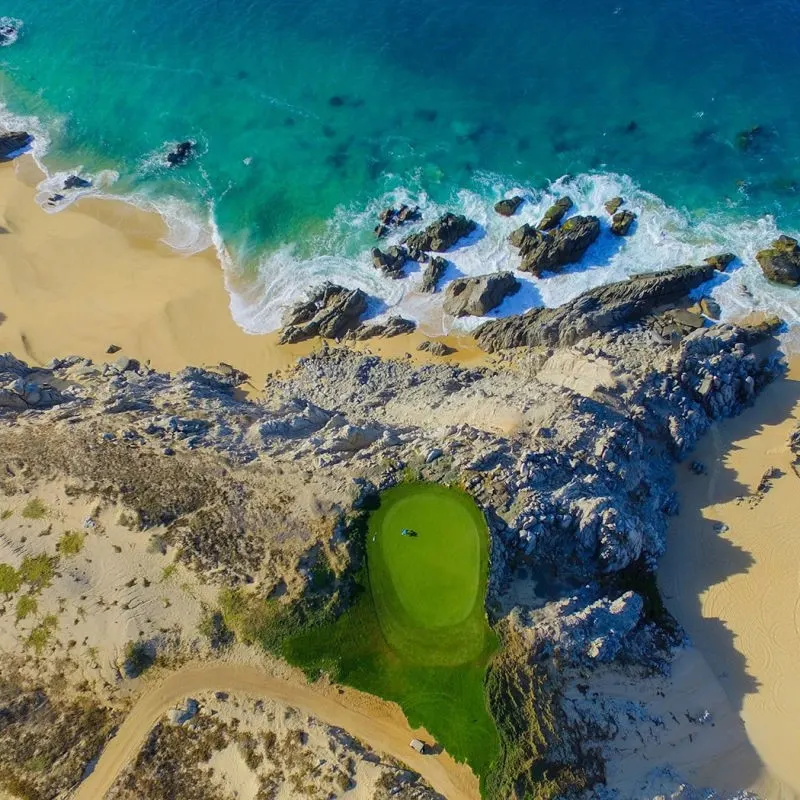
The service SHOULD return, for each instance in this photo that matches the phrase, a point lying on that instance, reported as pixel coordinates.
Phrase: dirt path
(374, 721)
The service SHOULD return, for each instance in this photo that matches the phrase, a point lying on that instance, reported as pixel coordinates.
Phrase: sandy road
(380, 724)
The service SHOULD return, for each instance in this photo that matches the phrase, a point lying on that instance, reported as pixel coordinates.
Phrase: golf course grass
(417, 633)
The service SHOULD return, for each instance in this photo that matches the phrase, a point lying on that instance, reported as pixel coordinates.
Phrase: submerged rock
(330, 312)
(76, 182)
(508, 207)
(596, 310)
(13, 144)
(613, 205)
(180, 154)
(440, 235)
(555, 214)
(395, 217)
(479, 295)
(621, 222)
(780, 262)
(543, 252)
(433, 274)
(390, 261)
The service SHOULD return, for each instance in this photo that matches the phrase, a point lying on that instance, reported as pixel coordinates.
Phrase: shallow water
(309, 117)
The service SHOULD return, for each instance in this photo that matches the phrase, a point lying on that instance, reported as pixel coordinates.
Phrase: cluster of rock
(180, 154)
(594, 311)
(330, 312)
(395, 217)
(13, 144)
(478, 295)
(780, 262)
(551, 248)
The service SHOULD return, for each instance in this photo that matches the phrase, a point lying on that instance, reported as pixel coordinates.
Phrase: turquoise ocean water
(311, 116)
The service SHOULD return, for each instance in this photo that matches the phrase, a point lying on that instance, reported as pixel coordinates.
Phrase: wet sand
(731, 575)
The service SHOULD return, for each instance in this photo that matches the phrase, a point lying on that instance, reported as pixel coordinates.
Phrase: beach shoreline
(98, 274)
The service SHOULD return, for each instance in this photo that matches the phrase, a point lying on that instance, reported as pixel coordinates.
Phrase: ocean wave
(10, 30)
(664, 237)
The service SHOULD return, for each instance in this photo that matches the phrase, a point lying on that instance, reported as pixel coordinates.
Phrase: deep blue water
(310, 115)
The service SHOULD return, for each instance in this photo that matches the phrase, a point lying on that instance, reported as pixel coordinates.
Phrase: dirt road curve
(380, 724)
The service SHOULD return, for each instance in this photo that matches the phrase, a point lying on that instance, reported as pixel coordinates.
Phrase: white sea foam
(10, 30)
(663, 237)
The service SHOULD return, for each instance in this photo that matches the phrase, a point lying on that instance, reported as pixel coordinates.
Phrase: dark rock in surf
(508, 207)
(433, 274)
(553, 216)
(780, 262)
(76, 182)
(621, 222)
(331, 311)
(542, 252)
(597, 310)
(390, 261)
(13, 144)
(613, 205)
(440, 235)
(395, 217)
(477, 296)
(180, 154)
(720, 262)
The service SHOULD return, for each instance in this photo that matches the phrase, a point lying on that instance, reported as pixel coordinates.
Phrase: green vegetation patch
(26, 605)
(71, 543)
(34, 509)
(9, 579)
(37, 571)
(417, 632)
(40, 635)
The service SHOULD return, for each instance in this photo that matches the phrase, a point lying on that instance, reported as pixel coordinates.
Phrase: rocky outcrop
(13, 144)
(330, 312)
(621, 222)
(433, 274)
(508, 206)
(593, 311)
(553, 216)
(394, 326)
(720, 262)
(780, 262)
(677, 322)
(180, 154)
(440, 235)
(395, 217)
(435, 348)
(550, 252)
(390, 261)
(76, 182)
(613, 205)
(477, 296)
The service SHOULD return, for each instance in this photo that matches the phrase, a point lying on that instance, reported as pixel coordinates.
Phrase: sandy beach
(731, 574)
(99, 274)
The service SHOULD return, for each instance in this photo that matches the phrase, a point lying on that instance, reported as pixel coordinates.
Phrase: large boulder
(621, 222)
(433, 274)
(552, 251)
(613, 205)
(440, 235)
(596, 310)
(180, 154)
(508, 207)
(390, 261)
(477, 296)
(331, 311)
(555, 214)
(721, 261)
(394, 326)
(13, 144)
(780, 262)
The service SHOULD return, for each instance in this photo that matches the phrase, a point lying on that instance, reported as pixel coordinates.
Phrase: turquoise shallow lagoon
(310, 116)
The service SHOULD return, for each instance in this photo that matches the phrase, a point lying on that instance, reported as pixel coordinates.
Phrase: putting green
(428, 588)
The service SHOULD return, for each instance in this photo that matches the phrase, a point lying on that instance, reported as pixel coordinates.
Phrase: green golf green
(427, 553)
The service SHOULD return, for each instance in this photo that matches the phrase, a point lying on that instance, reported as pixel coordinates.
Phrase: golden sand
(98, 274)
(731, 575)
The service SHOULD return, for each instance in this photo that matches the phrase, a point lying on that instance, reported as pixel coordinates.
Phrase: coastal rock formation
(542, 252)
(394, 326)
(390, 261)
(720, 262)
(612, 206)
(433, 274)
(508, 207)
(593, 311)
(13, 144)
(180, 154)
(553, 216)
(435, 348)
(76, 182)
(780, 262)
(440, 235)
(621, 222)
(677, 322)
(395, 217)
(330, 312)
(478, 295)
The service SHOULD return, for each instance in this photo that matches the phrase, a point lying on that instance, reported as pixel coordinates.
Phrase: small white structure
(417, 745)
